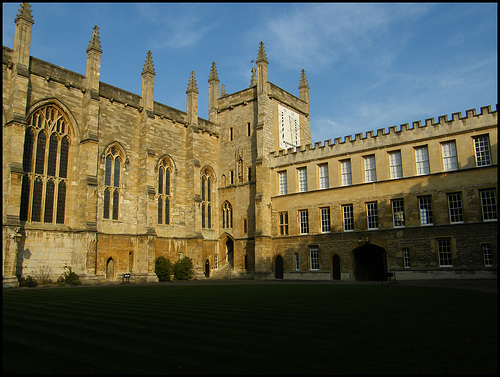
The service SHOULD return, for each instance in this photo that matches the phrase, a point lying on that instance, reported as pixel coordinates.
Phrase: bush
(183, 269)
(27, 282)
(69, 277)
(163, 268)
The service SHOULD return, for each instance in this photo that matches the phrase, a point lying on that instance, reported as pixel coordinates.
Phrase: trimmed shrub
(69, 277)
(163, 268)
(183, 269)
(28, 281)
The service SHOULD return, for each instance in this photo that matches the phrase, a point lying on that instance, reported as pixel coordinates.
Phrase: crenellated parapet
(392, 136)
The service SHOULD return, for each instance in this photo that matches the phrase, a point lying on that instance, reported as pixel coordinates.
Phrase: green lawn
(249, 328)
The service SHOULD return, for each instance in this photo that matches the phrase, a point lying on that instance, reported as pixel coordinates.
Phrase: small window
(297, 266)
(230, 133)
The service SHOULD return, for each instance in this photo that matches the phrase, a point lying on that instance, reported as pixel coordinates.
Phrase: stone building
(105, 181)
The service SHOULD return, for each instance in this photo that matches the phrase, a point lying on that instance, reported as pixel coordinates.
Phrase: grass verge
(253, 328)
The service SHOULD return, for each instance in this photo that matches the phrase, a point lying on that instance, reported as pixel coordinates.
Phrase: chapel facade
(105, 181)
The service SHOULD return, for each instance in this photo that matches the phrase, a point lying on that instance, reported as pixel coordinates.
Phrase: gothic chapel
(105, 181)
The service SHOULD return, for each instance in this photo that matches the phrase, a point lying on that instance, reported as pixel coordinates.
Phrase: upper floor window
(372, 215)
(482, 148)
(345, 171)
(395, 164)
(323, 176)
(302, 179)
(227, 215)
(304, 221)
(283, 223)
(425, 208)
(164, 190)
(398, 212)
(422, 160)
(206, 198)
(114, 158)
(45, 165)
(348, 215)
(450, 161)
(489, 204)
(325, 219)
(455, 208)
(370, 171)
(282, 182)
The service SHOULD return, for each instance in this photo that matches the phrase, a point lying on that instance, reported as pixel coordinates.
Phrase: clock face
(289, 128)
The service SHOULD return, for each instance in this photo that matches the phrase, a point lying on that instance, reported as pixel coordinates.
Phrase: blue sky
(368, 65)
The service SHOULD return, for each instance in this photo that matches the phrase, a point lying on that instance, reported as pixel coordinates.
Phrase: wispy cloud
(177, 25)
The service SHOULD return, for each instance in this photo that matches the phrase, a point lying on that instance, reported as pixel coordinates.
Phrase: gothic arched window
(227, 215)
(45, 165)
(164, 190)
(206, 198)
(112, 181)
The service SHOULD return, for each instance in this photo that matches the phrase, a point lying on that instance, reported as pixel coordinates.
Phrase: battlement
(391, 136)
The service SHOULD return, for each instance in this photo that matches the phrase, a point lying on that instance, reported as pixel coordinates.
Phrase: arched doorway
(207, 268)
(110, 269)
(230, 252)
(369, 263)
(278, 267)
(335, 267)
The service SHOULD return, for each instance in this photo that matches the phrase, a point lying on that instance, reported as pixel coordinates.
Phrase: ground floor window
(444, 252)
(314, 253)
(297, 267)
(487, 255)
(406, 257)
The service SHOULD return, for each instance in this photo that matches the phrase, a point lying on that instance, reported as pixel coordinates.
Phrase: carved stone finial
(213, 73)
(261, 57)
(25, 13)
(148, 65)
(223, 91)
(192, 84)
(253, 81)
(303, 80)
(95, 43)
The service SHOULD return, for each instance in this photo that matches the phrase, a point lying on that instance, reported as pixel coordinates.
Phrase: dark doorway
(336, 267)
(278, 267)
(230, 252)
(110, 269)
(207, 269)
(369, 263)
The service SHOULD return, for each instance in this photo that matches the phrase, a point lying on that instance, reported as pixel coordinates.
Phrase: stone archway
(230, 252)
(110, 269)
(278, 267)
(369, 263)
(207, 268)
